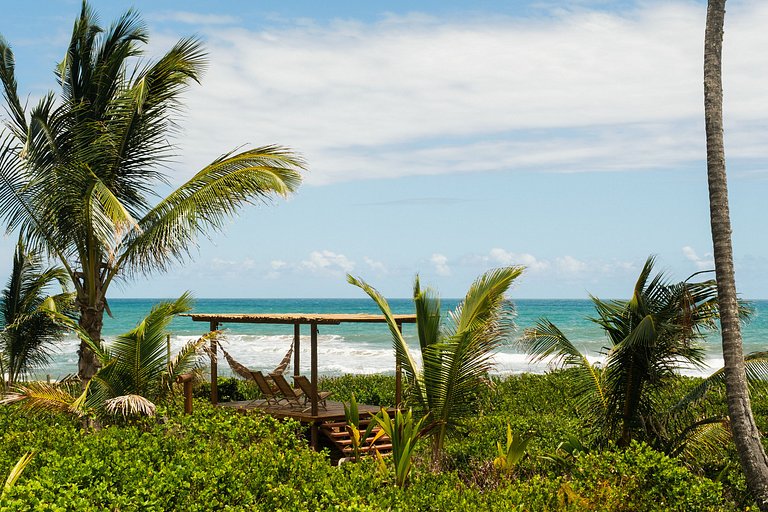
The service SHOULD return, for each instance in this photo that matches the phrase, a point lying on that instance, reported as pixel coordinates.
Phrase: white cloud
(705, 263)
(570, 265)
(580, 90)
(376, 266)
(327, 262)
(278, 264)
(502, 257)
(440, 262)
(194, 18)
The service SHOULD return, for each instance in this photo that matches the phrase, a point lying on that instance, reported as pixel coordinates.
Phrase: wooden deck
(334, 411)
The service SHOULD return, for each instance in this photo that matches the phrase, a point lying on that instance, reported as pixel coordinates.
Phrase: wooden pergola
(215, 320)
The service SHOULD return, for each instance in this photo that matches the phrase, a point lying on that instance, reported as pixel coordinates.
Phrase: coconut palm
(746, 435)
(651, 336)
(135, 371)
(28, 335)
(79, 173)
(457, 352)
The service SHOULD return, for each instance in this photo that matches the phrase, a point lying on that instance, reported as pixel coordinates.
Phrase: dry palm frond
(42, 397)
(130, 405)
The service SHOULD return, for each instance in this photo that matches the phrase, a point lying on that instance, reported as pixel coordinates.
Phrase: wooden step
(341, 434)
(342, 425)
(365, 449)
(348, 441)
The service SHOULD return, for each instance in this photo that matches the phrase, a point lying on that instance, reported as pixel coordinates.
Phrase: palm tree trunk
(91, 320)
(745, 433)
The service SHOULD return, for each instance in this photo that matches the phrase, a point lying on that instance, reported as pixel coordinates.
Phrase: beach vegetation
(652, 336)
(512, 452)
(404, 432)
(457, 351)
(218, 459)
(352, 417)
(29, 335)
(135, 371)
(81, 171)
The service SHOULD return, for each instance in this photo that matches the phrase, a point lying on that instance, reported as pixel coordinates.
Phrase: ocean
(367, 348)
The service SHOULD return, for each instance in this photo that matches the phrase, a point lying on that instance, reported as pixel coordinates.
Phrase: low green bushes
(216, 459)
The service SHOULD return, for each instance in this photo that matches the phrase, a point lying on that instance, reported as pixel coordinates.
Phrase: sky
(446, 138)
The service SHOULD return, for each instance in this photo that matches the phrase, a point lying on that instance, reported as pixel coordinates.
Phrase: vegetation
(216, 459)
(135, 371)
(28, 334)
(78, 172)
(457, 354)
(404, 431)
(652, 335)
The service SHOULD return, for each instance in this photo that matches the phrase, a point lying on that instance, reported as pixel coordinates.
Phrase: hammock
(245, 373)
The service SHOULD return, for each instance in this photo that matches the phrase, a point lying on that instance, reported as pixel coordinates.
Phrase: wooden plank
(293, 318)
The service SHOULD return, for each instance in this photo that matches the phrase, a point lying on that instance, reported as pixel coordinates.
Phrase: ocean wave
(337, 355)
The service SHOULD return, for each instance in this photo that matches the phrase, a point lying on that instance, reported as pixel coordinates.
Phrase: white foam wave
(336, 355)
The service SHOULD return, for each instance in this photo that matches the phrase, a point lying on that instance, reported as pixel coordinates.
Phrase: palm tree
(134, 374)
(457, 352)
(651, 336)
(28, 334)
(78, 173)
(745, 433)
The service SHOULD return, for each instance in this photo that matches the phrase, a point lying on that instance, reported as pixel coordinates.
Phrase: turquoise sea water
(366, 348)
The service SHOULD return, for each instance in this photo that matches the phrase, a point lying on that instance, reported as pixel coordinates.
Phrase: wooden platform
(334, 411)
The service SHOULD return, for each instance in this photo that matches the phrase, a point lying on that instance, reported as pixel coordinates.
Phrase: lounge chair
(306, 387)
(289, 394)
(272, 395)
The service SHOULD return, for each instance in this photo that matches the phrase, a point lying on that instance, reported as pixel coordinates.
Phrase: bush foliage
(217, 459)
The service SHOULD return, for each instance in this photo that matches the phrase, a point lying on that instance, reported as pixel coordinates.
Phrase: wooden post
(398, 374)
(313, 374)
(186, 379)
(214, 368)
(296, 349)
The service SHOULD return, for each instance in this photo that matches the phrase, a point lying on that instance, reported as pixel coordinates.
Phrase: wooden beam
(296, 349)
(214, 326)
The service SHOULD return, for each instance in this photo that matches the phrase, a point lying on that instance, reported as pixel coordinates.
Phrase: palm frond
(17, 470)
(206, 200)
(402, 352)
(755, 366)
(130, 405)
(703, 439)
(43, 397)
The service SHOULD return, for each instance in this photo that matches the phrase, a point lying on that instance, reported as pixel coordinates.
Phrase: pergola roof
(297, 318)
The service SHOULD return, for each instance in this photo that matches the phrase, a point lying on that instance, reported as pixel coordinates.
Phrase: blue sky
(445, 140)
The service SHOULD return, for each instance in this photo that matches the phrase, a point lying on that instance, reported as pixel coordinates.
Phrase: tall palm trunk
(745, 432)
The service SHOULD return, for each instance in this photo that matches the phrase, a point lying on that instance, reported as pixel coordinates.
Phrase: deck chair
(272, 396)
(288, 393)
(306, 387)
